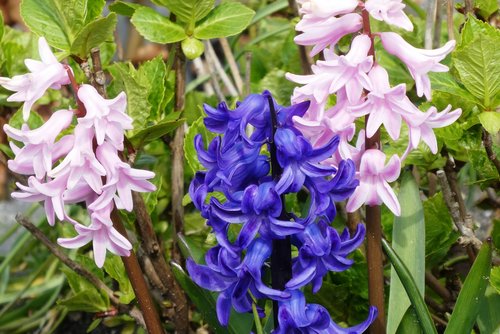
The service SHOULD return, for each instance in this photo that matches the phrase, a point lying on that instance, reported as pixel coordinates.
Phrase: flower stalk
(281, 257)
(374, 256)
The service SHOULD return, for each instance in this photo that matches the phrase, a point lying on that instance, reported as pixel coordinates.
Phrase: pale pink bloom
(323, 33)
(432, 119)
(81, 162)
(337, 72)
(326, 8)
(347, 151)
(121, 180)
(45, 74)
(419, 61)
(102, 234)
(106, 117)
(39, 151)
(51, 193)
(374, 176)
(390, 11)
(386, 105)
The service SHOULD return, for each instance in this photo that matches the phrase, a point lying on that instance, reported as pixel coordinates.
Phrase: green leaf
(115, 268)
(138, 106)
(93, 35)
(439, 232)
(206, 303)
(93, 325)
(225, 20)
(486, 7)
(477, 62)
(192, 48)
(124, 8)
(495, 278)
(269, 9)
(408, 241)
(156, 131)
(488, 319)
(86, 301)
(445, 82)
(157, 28)
(189, 11)
(152, 75)
(471, 296)
(490, 121)
(34, 121)
(198, 127)
(412, 290)
(59, 21)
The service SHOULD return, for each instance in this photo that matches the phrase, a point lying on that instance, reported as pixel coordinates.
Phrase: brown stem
(436, 42)
(488, 146)
(353, 219)
(177, 147)
(233, 66)
(80, 270)
(98, 75)
(469, 6)
(248, 72)
(155, 254)
(74, 85)
(134, 272)
(305, 60)
(374, 252)
(435, 285)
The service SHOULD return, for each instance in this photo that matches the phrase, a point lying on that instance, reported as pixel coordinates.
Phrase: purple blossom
(225, 273)
(45, 74)
(321, 250)
(297, 317)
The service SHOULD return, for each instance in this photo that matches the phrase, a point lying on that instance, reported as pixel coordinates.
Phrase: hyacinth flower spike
(419, 61)
(374, 176)
(390, 11)
(45, 74)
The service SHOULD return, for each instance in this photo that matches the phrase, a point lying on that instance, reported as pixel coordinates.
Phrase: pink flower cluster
(362, 88)
(76, 164)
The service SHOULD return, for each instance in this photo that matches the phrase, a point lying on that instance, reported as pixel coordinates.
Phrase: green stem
(416, 7)
(256, 318)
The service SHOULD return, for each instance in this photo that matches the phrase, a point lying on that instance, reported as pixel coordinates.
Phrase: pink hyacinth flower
(326, 8)
(374, 176)
(385, 105)
(419, 61)
(45, 74)
(51, 193)
(121, 180)
(40, 151)
(337, 72)
(102, 234)
(424, 131)
(390, 11)
(81, 162)
(323, 33)
(106, 117)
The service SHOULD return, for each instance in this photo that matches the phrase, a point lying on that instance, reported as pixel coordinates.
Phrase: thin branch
(436, 42)
(214, 78)
(469, 6)
(449, 19)
(467, 235)
(98, 74)
(488, 146)
(248, 72)
(430, 22)
(80, 270)
(210, 54)
(200, 70)
(435, 285)
(233, 66)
